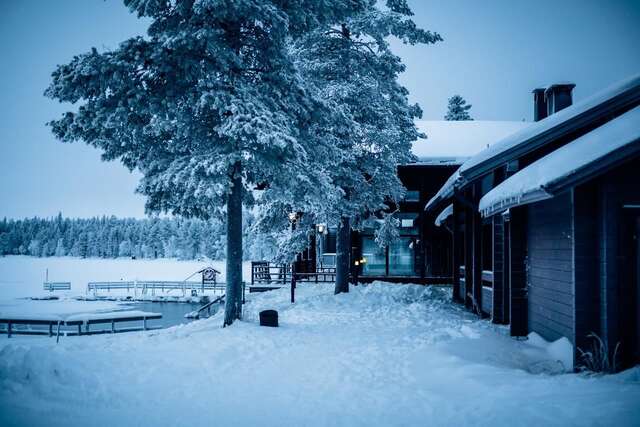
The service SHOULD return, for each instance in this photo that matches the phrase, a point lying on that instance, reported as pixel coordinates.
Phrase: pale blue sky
(494, 53)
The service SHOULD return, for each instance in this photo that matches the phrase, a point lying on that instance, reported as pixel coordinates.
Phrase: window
(375, 264)
(401, 257)
(412, 196)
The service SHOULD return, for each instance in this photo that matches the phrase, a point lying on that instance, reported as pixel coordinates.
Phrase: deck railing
(264, 272)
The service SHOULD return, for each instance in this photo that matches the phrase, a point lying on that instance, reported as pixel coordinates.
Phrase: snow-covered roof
(549, 124)
(459, 140)
(588, 155)
(538, 133)
(446, 213)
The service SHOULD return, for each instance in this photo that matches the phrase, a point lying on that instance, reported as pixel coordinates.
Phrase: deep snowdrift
(380, 355)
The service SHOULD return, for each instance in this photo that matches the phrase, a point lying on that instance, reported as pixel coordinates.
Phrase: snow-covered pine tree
(351, 70)
(208, 105)
(458, 109)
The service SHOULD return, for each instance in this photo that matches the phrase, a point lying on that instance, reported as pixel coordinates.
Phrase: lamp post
(292, 220)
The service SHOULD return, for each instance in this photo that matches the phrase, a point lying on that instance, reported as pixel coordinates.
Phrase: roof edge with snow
(588, 156)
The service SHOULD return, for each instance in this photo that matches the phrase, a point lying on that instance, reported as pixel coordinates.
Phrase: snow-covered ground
(381, 355)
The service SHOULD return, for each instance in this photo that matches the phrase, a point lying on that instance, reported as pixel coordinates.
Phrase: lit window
(406, 223)
(412, 196)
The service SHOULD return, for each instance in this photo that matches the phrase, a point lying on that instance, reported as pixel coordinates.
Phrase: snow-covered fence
(56, 286)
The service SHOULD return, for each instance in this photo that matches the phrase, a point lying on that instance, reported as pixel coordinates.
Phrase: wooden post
(506, 270)
(518, 272)
(144, 323)
(477, 262)
(50, 329)
(113, 326)
(468, 258)
(58, 333)
(498, 270)
(8, 329)
(456, 250)
(293, 284)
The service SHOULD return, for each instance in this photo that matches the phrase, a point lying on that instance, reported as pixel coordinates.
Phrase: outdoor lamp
(320, 228)
(357, 263)
(292, 216)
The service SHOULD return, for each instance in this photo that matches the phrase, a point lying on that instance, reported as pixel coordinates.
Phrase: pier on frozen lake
(76, 324)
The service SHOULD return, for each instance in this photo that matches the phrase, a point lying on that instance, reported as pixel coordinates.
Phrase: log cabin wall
(550, 269)
(618, 296)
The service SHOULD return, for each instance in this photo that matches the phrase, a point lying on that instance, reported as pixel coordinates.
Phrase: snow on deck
(380, 355)
(531, 183)
(456, 141)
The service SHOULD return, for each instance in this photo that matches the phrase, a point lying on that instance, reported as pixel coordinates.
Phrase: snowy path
(381, 355)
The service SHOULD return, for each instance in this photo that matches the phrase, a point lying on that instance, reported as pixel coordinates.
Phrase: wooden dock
(82, 322)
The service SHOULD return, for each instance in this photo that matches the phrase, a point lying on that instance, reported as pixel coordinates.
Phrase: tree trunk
(343, 255)
(233, 303)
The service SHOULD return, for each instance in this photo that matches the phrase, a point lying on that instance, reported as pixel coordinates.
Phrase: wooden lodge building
(545, 223)
(422, 254)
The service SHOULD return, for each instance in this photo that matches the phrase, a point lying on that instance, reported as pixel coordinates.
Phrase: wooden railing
(264, 272)
(145, 286)
(56, 286)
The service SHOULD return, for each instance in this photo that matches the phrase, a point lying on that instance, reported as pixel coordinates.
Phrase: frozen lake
(21, 278)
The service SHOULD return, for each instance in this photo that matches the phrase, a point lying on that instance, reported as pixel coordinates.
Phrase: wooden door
(629, 290)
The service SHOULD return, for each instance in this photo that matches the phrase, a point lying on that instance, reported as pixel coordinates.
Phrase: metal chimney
(558, 97)
(539, 105)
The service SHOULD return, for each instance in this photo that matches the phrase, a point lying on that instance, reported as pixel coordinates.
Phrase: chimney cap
(560, 86)
(538, 90)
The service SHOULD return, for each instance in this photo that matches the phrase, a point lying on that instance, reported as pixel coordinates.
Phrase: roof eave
(532, 196)
(619, 102)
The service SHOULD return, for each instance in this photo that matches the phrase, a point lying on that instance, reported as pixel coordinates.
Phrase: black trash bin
(269, 318)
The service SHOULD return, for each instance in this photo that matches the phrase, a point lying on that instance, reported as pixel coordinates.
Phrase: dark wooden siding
(550, 268)
(587, 263)
(618, 188)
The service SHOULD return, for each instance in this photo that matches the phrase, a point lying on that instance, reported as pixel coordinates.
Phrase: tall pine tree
(207, 106)
(457, 109)
(367, 118)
